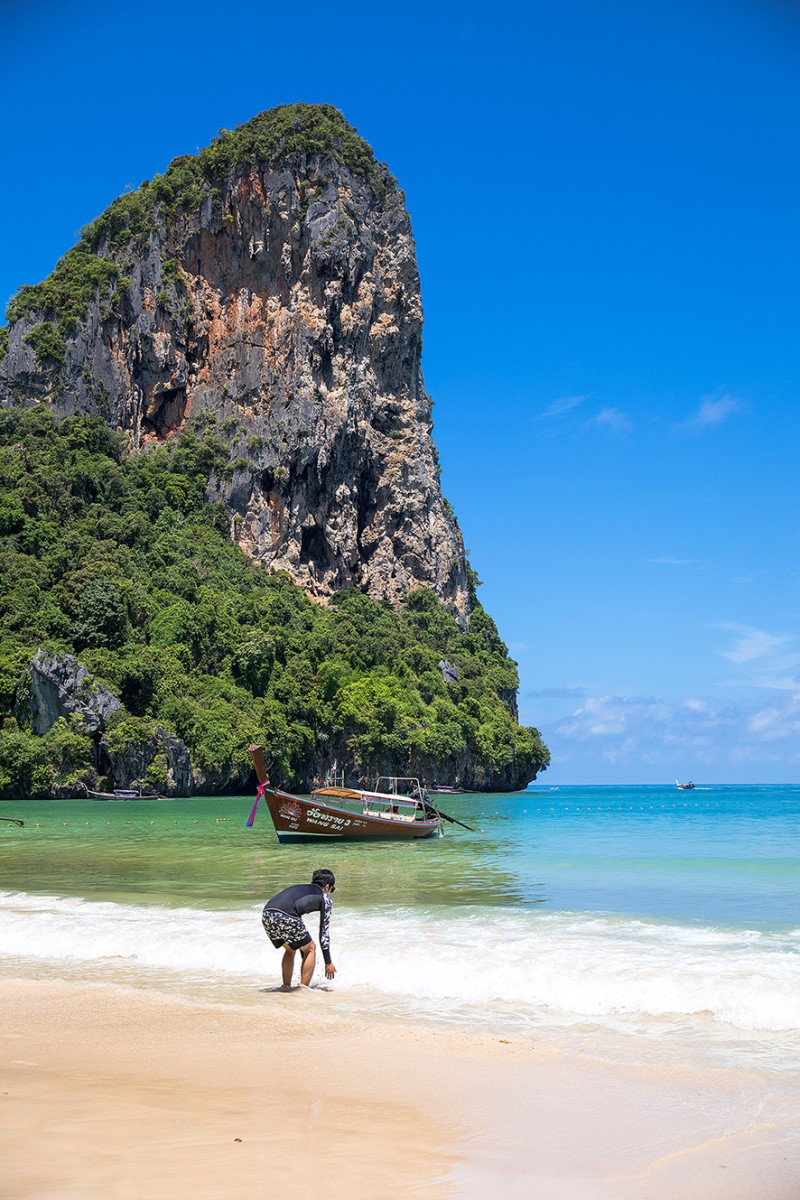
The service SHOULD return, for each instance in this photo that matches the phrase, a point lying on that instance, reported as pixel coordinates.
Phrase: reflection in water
(199, 852)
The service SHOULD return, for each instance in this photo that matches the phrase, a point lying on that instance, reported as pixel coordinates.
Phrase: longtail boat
(402, 811)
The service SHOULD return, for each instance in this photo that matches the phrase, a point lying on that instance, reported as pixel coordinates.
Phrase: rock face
(60, 686)
(161, 761)
(269, 285)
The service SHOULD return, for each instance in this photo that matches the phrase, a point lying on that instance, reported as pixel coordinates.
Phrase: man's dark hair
(323, 877)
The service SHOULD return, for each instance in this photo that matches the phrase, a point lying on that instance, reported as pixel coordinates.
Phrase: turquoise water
(728, 854)
(616, 906)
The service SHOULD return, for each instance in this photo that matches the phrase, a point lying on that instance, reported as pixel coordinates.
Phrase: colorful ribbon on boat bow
(261, 789)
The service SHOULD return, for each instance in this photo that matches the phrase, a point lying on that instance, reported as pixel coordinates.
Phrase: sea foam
(555, 966)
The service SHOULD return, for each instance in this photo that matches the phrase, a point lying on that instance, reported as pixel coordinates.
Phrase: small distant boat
(400, 811)
(446, 789)
(685, 787)
(123, 794)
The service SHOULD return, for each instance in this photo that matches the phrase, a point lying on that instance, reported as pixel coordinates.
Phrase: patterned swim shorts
(283, 930)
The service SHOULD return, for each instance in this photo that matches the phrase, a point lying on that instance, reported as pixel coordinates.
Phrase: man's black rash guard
(305, 898)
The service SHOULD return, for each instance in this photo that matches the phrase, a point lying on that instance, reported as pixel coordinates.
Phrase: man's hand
(330, 970)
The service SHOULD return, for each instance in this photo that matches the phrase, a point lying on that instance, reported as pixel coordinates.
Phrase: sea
(627, 921)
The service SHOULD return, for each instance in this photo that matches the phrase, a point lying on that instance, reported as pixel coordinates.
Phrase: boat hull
(121, 796)
(297, 819)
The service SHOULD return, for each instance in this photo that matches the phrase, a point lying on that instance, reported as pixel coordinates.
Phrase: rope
(262, 787)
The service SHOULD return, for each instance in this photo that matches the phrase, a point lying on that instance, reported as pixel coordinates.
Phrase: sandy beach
(111, 1094)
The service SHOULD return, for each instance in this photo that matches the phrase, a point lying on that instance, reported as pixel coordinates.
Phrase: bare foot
(286, 987)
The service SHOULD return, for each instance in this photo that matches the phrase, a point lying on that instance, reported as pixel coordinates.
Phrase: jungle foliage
(121, 560)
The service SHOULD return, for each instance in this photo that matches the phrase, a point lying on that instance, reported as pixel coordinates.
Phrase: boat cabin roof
(397, 791)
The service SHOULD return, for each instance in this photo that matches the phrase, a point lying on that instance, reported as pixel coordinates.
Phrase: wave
(566, 967)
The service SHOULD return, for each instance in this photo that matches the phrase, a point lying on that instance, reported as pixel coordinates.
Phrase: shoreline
(111, 1093)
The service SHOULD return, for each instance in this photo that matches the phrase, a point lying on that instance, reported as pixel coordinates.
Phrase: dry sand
(110, 1094)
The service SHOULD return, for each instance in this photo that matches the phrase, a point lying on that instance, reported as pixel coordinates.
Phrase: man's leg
(309, 954)
(287, 966)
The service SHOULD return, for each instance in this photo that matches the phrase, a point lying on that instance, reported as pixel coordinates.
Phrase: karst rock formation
(268, 286)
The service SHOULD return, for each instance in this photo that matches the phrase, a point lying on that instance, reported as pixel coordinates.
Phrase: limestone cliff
(270, 285)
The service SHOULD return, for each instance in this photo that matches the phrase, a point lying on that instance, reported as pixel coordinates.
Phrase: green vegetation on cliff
(122, 561)
(287, 134)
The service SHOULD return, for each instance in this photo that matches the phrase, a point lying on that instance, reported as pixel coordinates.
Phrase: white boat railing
(386, 805)
(395, 807)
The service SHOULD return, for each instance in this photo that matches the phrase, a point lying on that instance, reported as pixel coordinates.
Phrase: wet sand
(112, 1094)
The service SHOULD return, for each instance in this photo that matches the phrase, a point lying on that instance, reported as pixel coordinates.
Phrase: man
(284, 926)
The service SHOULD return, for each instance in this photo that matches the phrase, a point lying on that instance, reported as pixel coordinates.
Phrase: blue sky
(605, 203)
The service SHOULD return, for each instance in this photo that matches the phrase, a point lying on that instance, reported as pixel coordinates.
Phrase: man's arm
(325, 935)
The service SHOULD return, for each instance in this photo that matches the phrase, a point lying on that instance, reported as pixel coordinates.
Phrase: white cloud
(775, 722)
(698, 706)
(667, 561)
(613, 419)
(783, 683)
(564, 405)
(600, 716)
(712, 413)
(619, 753)
(752, 644)
(676, 738)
